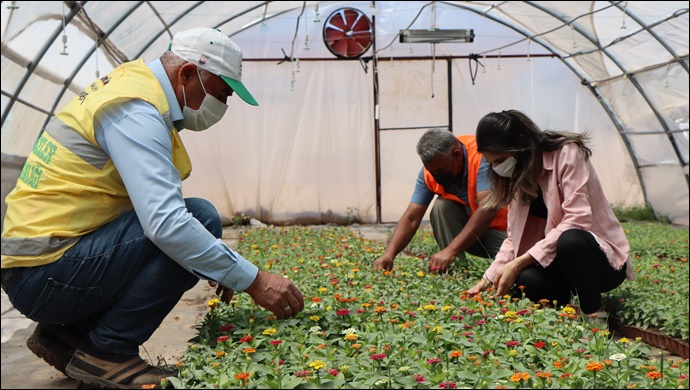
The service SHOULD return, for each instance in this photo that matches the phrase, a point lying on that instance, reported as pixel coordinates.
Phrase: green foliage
(400, 329)
(659, 297)
(241, 220)
(352, 215)
(639, 213)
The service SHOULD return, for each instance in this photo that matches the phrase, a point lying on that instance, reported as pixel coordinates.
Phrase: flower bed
(400, 329)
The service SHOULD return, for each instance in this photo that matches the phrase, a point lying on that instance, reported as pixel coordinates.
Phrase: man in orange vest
(456, 172)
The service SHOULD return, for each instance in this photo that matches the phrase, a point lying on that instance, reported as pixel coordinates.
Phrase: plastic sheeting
(334, 139)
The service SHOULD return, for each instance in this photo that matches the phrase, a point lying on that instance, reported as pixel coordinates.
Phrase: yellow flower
(270, 331)
(511, 313)
(623, 340)
(429, 307)
(512, 352)
(317, 364)
(314, 318)
(213, 303)
(568, 310)
(446, 307)
(420, 274)
(351, 337)
(323, 289)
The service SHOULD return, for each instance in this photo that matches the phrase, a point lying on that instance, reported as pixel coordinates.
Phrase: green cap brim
(240, 90)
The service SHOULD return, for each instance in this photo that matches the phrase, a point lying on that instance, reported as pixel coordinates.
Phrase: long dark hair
(513, 132)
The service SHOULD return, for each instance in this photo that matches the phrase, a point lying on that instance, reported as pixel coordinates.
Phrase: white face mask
(506, 168)
(208, 114)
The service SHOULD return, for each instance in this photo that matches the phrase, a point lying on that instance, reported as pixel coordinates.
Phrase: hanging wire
(625, 9)
(572, 33)
(294, 37)
(406, 28)
(474, 58)
(306, 32)
(64, 32)
(668, 72)
(264, 26)
(499, 61)
(316, 12)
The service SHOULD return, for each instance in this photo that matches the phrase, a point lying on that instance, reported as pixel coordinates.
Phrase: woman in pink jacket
(563, 237)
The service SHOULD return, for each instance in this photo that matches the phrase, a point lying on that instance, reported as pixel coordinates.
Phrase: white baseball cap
(211, 50)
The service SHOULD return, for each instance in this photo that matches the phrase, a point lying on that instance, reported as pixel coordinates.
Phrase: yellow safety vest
(69, 186)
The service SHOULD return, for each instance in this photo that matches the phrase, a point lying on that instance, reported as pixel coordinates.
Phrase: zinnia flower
(594, 366)
(317, 364)
(519, 376)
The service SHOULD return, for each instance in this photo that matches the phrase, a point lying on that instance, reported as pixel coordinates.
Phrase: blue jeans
(114, 284)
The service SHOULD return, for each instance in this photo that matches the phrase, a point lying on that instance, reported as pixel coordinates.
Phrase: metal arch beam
(98, 43)
(584, 81)
(32, 66)
(88, 54)
(632, 79)
(651, 32)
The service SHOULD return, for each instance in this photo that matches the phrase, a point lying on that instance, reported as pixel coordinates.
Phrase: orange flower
(149, 386)
(543, 374)
(243, 376)
(519, 376)
(594, 366)
(220, 353)
(455, 354)
(654, 374)
(249, 350)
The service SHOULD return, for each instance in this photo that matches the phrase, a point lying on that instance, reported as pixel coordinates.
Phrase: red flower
(419, 378)
(539, 344)
(247, 339)
(342, 312)
(222, 339)
(226, 327)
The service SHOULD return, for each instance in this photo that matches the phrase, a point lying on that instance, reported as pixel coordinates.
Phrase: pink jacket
(574, 199)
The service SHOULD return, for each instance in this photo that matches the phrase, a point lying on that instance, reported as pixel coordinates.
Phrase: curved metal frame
(77, 7)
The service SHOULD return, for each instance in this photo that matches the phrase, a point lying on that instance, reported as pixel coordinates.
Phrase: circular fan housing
(348, 33)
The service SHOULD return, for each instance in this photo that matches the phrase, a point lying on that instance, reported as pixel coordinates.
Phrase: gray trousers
(448, 218)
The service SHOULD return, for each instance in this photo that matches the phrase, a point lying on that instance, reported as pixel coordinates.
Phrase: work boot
(55, 344)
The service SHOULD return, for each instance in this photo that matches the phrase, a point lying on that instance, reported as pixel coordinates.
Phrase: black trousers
(580, 268)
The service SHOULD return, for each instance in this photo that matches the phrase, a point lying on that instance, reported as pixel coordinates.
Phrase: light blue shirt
(135, 136)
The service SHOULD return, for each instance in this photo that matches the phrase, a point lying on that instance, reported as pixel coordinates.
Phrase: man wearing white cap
(99, 244)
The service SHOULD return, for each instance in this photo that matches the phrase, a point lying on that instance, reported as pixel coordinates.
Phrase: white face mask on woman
(506, 168)
(208, 114)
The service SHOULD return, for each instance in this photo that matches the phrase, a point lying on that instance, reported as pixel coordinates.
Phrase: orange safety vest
(474, 159)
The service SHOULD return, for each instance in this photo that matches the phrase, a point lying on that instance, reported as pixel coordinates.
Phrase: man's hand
(440, 261)
(385, 262)
(225, 293)
(277, 294)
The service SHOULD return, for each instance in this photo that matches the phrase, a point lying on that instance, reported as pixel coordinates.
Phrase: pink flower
(447, 385)
(378, 356)
(360, 311)
(433, 361)
(222, 339)
(513, 343)
(480, 322)
(342, 312)
(419, 378)
(332, 371)
(276, 343)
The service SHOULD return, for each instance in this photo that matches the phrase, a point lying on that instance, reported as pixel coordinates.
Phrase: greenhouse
(314, 184)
